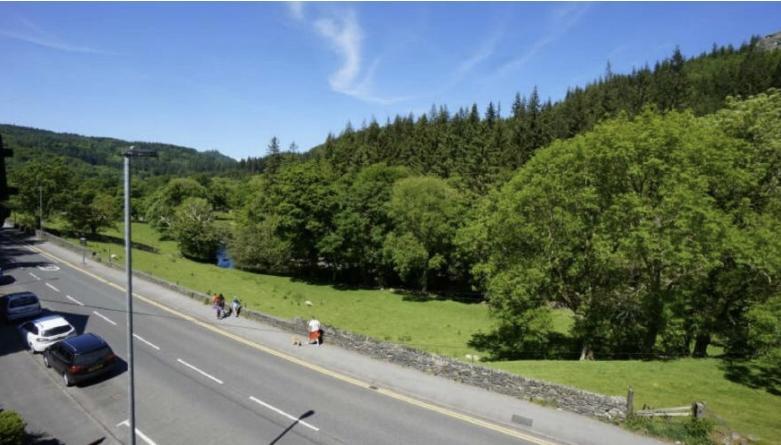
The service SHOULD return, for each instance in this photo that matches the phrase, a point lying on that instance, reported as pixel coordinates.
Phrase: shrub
(11, 428)
(690, 431)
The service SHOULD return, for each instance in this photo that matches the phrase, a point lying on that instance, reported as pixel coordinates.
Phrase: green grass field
(444, 327)
(439, 326)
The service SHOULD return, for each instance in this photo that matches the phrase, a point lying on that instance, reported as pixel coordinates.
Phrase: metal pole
(129, 271)
(40, 208)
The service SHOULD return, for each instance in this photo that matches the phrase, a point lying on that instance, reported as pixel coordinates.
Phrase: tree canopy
(634, 225)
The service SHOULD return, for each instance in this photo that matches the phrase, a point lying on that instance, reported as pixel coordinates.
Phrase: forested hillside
(481, 148)
(32, 143)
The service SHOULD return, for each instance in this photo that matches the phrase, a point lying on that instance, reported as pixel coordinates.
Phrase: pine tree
(273, 158)
(490, 115)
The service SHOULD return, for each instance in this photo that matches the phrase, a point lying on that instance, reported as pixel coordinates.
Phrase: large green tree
(161, 204)
(622, 225)
(426, 213)
(296, 206)
(89, 210)
(193, 228)
(362, 223)
(45, 186)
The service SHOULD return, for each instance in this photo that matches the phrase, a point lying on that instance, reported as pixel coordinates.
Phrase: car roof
(19, 295)
(50, 321)
(85, 343)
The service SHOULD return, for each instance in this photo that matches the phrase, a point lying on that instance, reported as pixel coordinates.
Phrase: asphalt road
(196, 387)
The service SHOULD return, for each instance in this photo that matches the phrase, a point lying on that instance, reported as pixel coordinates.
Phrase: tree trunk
(586, 353)
(701, 345)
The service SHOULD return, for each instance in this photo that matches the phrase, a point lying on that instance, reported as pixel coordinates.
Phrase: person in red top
(218, 302)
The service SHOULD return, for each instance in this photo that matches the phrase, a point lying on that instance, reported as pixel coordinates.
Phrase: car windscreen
(91, 357)
(57, 330)
(23, 301)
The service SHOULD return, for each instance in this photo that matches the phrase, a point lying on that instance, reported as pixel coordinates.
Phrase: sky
(230, 76)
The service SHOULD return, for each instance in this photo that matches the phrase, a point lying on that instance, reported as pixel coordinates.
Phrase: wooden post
(698, 410)
(630, 402)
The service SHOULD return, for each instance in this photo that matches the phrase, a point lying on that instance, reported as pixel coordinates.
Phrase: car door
(57, 358)
(28, 330)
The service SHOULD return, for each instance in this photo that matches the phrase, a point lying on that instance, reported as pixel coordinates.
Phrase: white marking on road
(104, 317)
(277, 410)
(146, 341)
(34, 276)
(74, 300)
(199, 371)
(52, 287)
(140, 434)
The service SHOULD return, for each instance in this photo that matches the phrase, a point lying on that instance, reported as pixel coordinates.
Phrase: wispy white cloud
(483, 53)
(563, 18)
(345, 37)
(37, 36)
(296, 10)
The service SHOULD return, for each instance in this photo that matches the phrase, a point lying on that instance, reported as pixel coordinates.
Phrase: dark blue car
(80, 358)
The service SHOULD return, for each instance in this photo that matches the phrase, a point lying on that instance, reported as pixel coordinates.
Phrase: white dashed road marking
(199, 371)
(146, 341)
(279, 411)
(34, 276)
(140, 434)
(74, 300)
(52, 287)
(104, 317)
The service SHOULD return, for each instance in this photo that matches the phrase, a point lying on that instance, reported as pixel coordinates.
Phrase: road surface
(196, 386)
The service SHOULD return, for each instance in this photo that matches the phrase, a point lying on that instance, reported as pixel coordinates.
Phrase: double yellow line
(344, 378)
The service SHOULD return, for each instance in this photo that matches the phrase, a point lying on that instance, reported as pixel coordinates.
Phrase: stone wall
(560, 396)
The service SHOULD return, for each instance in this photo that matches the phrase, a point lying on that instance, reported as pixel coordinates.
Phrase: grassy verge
(662, 384)
(444, 327)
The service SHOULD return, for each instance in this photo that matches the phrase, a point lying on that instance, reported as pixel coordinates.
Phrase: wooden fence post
(698, 410)
(630, 402)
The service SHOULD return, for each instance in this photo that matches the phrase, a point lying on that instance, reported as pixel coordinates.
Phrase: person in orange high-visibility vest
(314, 331)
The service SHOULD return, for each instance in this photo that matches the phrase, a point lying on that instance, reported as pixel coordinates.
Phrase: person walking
(314, 331)
(219, 305)
(236, 306)
(216, 304)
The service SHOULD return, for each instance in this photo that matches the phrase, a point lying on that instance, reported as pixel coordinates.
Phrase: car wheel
(66, 378)
(46, 361)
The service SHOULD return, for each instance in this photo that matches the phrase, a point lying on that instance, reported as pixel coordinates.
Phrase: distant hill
(29, 143)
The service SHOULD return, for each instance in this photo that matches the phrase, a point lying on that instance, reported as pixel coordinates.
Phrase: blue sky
(229, 76)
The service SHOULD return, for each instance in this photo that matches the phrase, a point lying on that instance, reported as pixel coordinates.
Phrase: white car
(42, 332)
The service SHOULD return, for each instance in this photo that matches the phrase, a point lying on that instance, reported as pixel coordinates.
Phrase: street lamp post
(40, 209)
(83, 250)
(131, 152)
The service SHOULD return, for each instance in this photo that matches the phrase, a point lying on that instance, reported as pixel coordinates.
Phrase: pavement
(192, 369)
(37, 397)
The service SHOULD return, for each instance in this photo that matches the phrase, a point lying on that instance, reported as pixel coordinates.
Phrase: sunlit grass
(439, 326)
